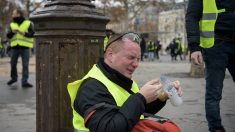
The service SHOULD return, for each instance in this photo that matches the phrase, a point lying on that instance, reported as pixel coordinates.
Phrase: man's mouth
(131, 71)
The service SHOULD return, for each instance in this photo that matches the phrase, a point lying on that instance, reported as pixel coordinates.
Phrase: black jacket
(225, 24)
(110, 119)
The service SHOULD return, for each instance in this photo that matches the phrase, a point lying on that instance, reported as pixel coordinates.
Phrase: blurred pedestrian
(108, 34)
(178, 48)
(151, 49)
(1, 48)
(158, 49)
(172, 48)
(21, 40)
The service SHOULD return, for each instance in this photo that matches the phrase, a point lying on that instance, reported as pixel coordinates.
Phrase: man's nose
(136, 63)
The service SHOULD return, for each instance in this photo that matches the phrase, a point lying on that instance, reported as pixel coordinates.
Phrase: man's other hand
(151, 90)
(196, 57)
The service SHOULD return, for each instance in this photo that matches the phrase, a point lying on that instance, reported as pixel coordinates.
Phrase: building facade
(159, 24)
(171, 25)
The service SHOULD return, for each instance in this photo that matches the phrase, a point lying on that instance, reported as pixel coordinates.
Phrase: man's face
(15, 14)
(127, 59)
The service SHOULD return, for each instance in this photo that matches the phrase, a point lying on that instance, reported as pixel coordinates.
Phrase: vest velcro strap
(221, 10)
(207, 34)
(209, 16)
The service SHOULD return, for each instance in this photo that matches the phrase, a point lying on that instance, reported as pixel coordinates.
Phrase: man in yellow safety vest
(210, 26)
(21, 40)
(108, 85)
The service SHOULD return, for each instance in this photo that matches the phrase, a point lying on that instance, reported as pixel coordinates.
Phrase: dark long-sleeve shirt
(110, 119)
(225, 24)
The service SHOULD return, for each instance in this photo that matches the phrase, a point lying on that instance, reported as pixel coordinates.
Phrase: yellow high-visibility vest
(207, 23)
(151, 46)
(119, 94)
(106, 39)
(1, 43)
(19, 39)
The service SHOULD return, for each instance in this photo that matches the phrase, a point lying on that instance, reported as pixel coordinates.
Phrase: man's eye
(131, 57)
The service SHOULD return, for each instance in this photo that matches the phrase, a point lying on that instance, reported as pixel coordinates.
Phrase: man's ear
(109, 54)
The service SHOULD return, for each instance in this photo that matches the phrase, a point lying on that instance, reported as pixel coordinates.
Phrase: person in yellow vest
(106, 39)
(210, 26)
(178, 48)
(151, 49)
(108, 34)
(109, 84)
(1, 48)
(21, 40)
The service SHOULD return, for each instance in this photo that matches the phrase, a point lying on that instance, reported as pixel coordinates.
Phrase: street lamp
(69, 40)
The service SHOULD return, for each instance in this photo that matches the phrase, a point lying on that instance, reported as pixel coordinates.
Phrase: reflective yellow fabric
(106, 39)
(1, 43)
(19, 39)
(207, 23)
(152, 47)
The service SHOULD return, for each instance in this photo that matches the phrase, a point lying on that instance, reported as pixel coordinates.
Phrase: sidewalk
(191, 115)
(18, 105)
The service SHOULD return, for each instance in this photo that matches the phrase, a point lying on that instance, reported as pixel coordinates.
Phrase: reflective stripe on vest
(207, 23)
(21, 39)
(80, 131)
(119, 94)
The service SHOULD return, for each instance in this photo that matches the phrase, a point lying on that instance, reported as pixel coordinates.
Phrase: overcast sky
(96, 2)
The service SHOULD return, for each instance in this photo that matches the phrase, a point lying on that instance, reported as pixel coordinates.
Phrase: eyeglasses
(134, 37)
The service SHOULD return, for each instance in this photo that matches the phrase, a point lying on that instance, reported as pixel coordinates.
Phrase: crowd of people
(152, 50)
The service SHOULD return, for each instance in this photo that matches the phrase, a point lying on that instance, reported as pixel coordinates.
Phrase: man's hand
(151, 90)
(22, 33)
(196, 57)
(15, 31)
